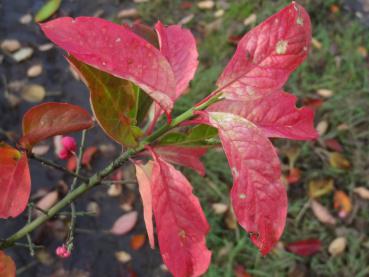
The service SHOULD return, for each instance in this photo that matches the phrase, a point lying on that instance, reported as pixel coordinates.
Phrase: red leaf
(15, 181)
(88, 154)
(333, 144)
(266, 56)
(117, 50)
(276, 114)
(179, 47)
(7, 266)
(125, 223)
(51, 119)
(143, 174)
(180, 222)
(185, 156)
(305, 248)
(258, 197)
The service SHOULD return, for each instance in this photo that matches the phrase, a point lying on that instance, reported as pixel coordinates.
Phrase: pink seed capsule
(69, 146)
(62, 252)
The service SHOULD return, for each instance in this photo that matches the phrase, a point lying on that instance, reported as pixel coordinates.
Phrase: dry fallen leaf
(219, 208)
(219, 13)
(132, 12)
(25, 19)
(363, 192)
(125, 223)
(322, 127)
(93, 208)
(362, 51)
(34, 70)
(137, 241)
(22, 54)
(337, 160)
(251, 19)
(322, 213)
(115, 190)
(123, 256)
(337, 246)
(46, 202)
(41, 149)
(320, 187)
(33, 93)
(326, 93)
(316, 43)
(186, 19)
(206, 5)
(46, 47)
(10, 45)
(342, 203)
(230, 220)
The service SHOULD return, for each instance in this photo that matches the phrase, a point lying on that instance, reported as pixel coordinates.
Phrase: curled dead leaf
(320, 187)
(342, 203)
(337, 160)
(322, 213)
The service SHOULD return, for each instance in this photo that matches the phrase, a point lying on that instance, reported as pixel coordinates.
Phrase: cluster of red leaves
(39, 123)
(114, 60)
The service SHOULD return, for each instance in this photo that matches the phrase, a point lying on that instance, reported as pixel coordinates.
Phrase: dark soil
(94, 252)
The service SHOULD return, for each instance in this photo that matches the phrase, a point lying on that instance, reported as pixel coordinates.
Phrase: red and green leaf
(51, 119)
(15, 181)
(259, 198)
(111, 99)
(7, 266)
(276, 114)
(266, 56)
(143, 174)
(180, 222)
(185, 156)
(117, 50)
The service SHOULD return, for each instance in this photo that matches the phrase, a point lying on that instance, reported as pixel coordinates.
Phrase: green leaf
(200, 135)
(112, 100)
(47, 10)
(143, 103)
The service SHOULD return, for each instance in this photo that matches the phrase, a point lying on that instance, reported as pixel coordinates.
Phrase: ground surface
(338, 62)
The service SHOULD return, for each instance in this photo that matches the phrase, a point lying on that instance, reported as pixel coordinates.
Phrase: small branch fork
(91, 182)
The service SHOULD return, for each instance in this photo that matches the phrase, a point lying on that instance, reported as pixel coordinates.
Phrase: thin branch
(97, 178)
(72, 187)
(29, 239)
(57, 166)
